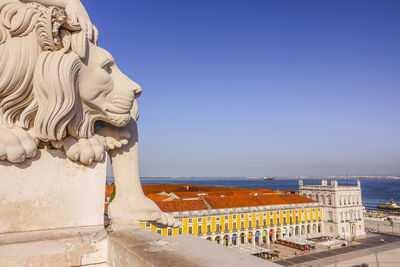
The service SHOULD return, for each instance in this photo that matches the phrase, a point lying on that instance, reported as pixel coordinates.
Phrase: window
(199, 220)
(226, 227)
(226, 217)
(329, 200)
(344, 201)
(340, 201)
(234, 216)
(147, 224)
(191, 230)
(169, 231)
(341, 216)
(242, 224)
(250, 224)
(330, 215)
(208, 219)
(190, 220)
(218, 227)
(271, 222)
(159, 231)
(180, 230)
(234, 225)
(208, 228)
(323, 200)
(199, 229)
(257, 223)
(265, 222)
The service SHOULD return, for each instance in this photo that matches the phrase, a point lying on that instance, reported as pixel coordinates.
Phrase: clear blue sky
(250, 87)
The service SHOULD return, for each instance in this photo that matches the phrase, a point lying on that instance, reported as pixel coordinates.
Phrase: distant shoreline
(275, 177)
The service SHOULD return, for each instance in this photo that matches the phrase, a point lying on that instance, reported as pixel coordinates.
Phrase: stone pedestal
(77, 246)
(50, 192)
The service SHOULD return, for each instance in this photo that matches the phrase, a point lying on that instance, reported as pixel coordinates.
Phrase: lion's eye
(107, 68)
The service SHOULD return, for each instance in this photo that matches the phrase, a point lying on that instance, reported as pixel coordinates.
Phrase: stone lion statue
(60, 90)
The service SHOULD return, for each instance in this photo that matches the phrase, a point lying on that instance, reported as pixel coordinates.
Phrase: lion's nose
(137, 90)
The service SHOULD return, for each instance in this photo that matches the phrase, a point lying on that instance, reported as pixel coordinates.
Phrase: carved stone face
(105, 92)
(55, 83)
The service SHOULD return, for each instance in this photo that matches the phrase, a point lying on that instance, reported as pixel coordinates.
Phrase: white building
(342, 207)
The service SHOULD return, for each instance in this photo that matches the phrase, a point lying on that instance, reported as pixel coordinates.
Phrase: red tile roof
(155, 197)
(260, 200)
(218, 197)
(109, 189)
(181, 205)
(157, 188)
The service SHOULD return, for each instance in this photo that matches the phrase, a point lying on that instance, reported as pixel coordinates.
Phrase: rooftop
(188, 197)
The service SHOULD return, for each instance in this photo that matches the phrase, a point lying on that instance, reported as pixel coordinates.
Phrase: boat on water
(252, 177)
(388, 205)
(267, 178)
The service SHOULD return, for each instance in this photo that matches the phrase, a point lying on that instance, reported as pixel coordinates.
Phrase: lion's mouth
(117, 117)
(116, 111)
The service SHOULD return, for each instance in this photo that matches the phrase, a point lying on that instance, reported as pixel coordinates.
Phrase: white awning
(250, 249)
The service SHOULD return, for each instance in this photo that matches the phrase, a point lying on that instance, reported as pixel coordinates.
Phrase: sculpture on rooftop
(60, 90)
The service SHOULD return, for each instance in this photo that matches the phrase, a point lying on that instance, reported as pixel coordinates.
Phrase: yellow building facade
(240, 226)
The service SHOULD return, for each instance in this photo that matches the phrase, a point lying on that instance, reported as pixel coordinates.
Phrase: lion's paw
(113, 137)
(16, 144)
(89, 150)
(162, 218)
(139, 209)
(86, 151)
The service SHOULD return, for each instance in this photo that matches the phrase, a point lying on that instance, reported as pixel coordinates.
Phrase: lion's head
(53, 80)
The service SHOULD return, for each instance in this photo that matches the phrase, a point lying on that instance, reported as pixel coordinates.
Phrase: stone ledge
(53, 234)
(61, 247)
(139, 247)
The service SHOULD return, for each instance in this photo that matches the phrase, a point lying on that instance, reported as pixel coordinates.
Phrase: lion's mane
(40, 60)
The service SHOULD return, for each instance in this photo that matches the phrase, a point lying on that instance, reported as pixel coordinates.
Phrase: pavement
(370, 250)
(383, 227)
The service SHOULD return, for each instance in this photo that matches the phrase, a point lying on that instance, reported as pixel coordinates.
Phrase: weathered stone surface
(50, 192)
(55, 248)
(137, 247)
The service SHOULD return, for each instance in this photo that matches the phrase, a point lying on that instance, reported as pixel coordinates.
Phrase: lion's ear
(80, 44)
(55, 84)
